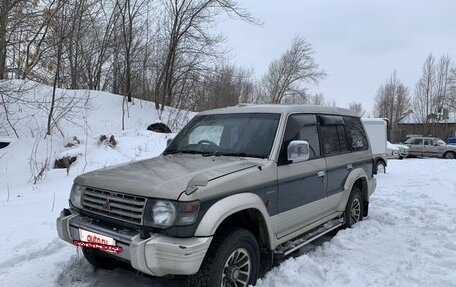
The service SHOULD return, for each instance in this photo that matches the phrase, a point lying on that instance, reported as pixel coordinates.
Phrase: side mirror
(168, 142)
(298, 151)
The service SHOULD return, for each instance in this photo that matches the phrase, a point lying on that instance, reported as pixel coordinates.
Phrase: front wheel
(450, 155)
(355, 208)
(232, 260)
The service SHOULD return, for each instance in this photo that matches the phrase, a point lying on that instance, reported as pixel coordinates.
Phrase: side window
(357, 139)
(301, 127)
(418, 141)
(330, 140)
(427, 142)
(343, 141)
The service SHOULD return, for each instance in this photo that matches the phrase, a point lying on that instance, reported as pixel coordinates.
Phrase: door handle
(349, 166)
(321, 173)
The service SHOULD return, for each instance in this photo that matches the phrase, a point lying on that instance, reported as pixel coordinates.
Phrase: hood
(401, 146)
(161, 177)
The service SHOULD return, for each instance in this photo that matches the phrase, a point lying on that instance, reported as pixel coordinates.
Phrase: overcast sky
(357, 42)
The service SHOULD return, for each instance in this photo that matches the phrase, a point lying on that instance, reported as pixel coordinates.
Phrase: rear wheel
(380, 167)
(233, 260)
(449, 155)
(99, 260)
(355, 208)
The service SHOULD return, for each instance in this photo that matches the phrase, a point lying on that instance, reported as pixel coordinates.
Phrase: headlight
(76, 195)
(163, 213)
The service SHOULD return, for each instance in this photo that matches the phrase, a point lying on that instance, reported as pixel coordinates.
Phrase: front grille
(121, 206)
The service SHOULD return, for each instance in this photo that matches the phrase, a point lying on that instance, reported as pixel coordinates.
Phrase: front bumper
(157, 255)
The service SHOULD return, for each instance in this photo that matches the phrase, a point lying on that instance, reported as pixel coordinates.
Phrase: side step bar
(291, 246)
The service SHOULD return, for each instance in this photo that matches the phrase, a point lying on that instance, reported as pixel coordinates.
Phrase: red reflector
(105, 247)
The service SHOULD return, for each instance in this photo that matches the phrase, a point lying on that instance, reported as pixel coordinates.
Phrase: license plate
(92, 237)
(94, 240)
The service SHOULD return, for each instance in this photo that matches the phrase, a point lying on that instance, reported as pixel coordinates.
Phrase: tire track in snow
(48, 250)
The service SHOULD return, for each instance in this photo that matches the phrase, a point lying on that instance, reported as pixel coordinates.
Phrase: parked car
(451, 141)
(391, 150)
(236, 188)
(431, 147)
(398, 151)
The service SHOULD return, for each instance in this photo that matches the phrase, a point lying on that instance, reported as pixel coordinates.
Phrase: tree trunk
(4, 7)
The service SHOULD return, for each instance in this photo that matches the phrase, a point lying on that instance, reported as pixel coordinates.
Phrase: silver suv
(429, 146)
(236, 189)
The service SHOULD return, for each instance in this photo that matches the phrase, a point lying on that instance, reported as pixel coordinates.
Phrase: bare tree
(295, 67)
(392, 100)
(60, 35)
(357, 108)
(424, 102)
(452, 89)
(129, 13)
(445, 86)
(318, 99)
(187, 42)
(14, 18)
(225, 86)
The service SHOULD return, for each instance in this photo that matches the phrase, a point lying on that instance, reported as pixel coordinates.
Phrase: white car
(392, 150)
(396, 150)
(403, 150)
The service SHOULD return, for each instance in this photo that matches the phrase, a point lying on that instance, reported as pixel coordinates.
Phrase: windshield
(440, 142)
(250, 135)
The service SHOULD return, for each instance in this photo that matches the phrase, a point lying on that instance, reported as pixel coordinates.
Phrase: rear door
(428, 148)
(302, 185)
(415, 146)
(338, 157)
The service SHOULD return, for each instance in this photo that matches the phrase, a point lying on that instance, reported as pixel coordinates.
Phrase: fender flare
(357, 173)
(230, 205)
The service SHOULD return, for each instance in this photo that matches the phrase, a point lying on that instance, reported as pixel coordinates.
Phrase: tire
(99, 260)
(380, 167)
(218, 267)
(355, 208)
(449, 155)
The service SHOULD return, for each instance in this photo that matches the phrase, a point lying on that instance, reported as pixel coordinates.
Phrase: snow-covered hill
(407, 240)
(27, 210)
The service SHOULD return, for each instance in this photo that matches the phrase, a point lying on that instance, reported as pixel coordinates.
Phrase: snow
(407, 240)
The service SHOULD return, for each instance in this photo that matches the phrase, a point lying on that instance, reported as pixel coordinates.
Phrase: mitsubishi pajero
(237, 188)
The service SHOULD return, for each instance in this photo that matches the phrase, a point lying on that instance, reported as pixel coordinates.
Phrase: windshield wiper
(184, 151)
(240, 154)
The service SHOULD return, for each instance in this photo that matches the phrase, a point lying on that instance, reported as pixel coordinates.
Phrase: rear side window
(343, 140)
(330, 139)
(301, 127)
(357, 139)
(417, 141)
(335, 139)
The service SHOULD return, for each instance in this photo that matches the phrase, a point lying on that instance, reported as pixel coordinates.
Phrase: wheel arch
(240, 210)
(448, 152)
(357, 178)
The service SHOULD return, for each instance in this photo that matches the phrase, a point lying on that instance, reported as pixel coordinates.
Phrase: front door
(302, 185)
